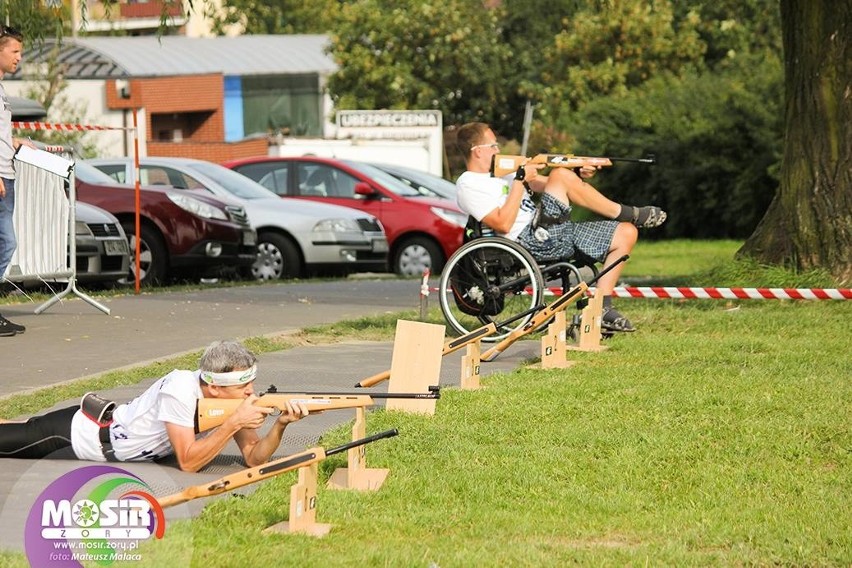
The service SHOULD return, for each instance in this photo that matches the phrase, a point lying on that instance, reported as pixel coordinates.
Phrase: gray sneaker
(614, 321)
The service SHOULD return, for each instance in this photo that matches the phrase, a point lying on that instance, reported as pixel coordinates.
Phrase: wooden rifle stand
(416, 364)
(553, 349)
(589, 333)
(470, 366)
(303, 506)
(358, 476)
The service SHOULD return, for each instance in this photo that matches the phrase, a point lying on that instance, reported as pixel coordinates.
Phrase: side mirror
(364, 189)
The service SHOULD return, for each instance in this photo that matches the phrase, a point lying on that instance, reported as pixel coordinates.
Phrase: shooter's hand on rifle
(292, 412)
(248, 415)
(587, 172)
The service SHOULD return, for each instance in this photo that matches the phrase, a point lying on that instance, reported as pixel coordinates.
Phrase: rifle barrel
(355, 443)
(434, 393)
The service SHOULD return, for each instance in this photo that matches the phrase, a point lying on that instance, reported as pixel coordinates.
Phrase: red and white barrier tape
(24, 125)
(732, 293)
(679, 293)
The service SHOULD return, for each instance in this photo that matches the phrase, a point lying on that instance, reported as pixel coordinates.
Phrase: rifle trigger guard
(275, 411)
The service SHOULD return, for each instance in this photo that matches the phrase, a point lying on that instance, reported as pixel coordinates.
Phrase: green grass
(719, 434)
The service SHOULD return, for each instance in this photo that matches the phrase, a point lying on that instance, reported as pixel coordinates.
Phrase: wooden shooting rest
(589, 338)
(553, 344)
(470, 365)
(303, 507)
(357, 475)
(415, 366)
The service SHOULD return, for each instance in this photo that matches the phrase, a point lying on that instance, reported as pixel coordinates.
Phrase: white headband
(231, 378)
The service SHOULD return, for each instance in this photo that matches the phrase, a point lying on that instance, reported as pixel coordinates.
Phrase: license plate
(115, 248)
(249, 238)
(380, 245)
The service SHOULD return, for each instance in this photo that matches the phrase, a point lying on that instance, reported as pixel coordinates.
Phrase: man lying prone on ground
(161, 421)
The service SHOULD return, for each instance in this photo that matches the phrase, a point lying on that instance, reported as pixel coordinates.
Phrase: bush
(717, 138)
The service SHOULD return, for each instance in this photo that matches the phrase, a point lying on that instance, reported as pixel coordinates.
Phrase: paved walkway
(73, 340)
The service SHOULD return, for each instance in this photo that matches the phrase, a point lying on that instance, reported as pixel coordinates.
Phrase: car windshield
(237, 184)
(424, 182)
(88, 173)
(398, 187)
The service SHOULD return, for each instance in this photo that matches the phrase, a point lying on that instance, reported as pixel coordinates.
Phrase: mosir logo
(92, 514)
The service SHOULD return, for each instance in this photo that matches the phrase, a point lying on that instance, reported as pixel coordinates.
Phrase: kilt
(592, 238)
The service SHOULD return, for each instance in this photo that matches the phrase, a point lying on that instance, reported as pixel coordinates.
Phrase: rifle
(454, 344)
(503, 164)
(544, 315)
(212, 412)
(276, 467)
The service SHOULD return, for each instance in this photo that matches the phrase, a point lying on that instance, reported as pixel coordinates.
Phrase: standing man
(11, 45)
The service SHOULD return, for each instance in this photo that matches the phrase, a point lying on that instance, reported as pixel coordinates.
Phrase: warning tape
(732, 293)
(678, 293)
(23, 125)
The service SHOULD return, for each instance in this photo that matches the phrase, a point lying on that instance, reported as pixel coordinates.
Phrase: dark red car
(422, 231)
(182, 233)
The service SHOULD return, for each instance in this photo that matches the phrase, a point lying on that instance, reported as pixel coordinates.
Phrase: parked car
(422, 231)
(180, 234)
(101, 246)
(425, 183)
(293, 237)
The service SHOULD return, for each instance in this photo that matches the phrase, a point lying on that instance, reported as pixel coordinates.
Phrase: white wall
(410, 153)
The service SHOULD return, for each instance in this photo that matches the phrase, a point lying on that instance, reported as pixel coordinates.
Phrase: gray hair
(226, 356)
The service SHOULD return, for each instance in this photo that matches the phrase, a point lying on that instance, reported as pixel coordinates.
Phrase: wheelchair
(494, 279)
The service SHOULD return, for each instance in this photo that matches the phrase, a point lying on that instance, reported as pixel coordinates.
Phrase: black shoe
(8, 329)
(614, 321)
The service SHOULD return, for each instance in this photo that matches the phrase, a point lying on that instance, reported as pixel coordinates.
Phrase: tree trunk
(809, 223)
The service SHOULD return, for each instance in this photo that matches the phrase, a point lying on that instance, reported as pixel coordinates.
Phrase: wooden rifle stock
(454, 345)
(275, 467)
(504, 164)
(212, 412)
(544, 315)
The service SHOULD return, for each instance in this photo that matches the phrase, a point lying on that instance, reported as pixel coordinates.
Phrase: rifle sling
(284, 464)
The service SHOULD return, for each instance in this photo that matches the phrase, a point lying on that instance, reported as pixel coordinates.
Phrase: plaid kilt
(592, 238)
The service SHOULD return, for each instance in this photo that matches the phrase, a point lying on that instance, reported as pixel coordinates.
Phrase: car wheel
(277, 257)
(415, 255)
(152, 256)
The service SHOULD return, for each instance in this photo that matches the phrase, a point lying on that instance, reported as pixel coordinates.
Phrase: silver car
(294, 237)
(101, 245)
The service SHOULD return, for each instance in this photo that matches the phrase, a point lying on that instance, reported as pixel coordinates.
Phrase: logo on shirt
(92, 514)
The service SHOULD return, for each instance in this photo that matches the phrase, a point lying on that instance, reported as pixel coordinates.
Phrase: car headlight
(81, 228)
(197, 207)
(450, 216)
(337, 226)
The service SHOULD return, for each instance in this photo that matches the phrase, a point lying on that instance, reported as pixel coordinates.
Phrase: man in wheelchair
(505, 205)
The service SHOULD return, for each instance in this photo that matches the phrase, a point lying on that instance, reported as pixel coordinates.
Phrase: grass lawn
(719, 434)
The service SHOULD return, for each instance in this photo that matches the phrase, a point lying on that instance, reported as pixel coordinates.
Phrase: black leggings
(45, 436)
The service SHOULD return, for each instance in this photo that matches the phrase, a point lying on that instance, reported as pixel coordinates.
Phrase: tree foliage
(275, 16)
(717, 138)
(407, 54)
(608, 51)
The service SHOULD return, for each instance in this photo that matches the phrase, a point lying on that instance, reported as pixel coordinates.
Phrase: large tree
(809, 223)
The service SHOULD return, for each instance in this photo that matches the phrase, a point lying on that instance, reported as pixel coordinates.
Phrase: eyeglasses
(6, 31)
(494, 145)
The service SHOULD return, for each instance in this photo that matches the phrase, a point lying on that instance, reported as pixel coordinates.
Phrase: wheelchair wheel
(491, 279)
